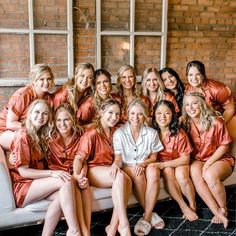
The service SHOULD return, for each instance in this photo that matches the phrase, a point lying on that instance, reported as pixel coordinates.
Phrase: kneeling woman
(173, 161)
(136, 146)
(96, 147)
(31, 182)
(62, 149)
(212, 164)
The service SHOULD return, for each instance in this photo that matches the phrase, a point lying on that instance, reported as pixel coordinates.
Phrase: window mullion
(132, 30)
(98, 21)
(70, 48)
(31, 33)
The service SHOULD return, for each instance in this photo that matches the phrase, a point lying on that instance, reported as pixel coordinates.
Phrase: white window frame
(132, 33)
(32, 32)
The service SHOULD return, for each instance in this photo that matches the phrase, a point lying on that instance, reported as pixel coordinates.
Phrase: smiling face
(163, 116)
(195, 77)
(192, 107)
(64, 123)
(169, 80)
(39, 115)
(127, 80)
(152, 82)
(136, 116)
(110, 116)
(43, 83)
(103, 86)
(84, 80)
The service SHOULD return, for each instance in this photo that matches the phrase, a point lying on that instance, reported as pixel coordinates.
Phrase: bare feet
(189, 214)
(221, 217)
(111, 230)
(124, 231)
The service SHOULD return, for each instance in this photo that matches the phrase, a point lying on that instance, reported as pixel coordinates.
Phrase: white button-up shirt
(136, 152)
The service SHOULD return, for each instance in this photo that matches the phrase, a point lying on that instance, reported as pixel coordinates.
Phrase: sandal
(156, 221)
(142, 227)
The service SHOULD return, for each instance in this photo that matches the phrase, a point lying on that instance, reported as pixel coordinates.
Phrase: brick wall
(197, 30)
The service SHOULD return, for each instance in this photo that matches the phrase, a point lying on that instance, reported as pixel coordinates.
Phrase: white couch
(10, 216)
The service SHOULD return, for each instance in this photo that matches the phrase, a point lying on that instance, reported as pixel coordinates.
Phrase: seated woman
(15, 111)
(211, 162)
(128, 90)
(63, 145)
(136, 146)
(31, 182)
(216, 94)
(173, 83)
(104, 172)
(154, 89)
(77, 89)
(173, 160)
(89, 108)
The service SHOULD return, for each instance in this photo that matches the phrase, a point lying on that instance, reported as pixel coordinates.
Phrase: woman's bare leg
(175, 192)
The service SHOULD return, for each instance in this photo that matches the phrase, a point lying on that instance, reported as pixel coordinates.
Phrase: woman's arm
(229, 110)
(219, 152)
(181, 161)
(12, 122)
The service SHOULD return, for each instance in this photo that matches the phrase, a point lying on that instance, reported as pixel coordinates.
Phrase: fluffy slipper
(142, 227)
(157, 222)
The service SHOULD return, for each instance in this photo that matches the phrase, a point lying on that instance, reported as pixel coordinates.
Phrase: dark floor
(168, 210)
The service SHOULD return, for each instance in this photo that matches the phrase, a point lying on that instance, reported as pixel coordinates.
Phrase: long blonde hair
(73, 97)
(119, 85)
(207, 116)
(39, 136)
(161, 87)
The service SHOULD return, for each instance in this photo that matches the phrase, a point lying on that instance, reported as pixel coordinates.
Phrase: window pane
(148, 15)
(52, 50)
(147, 53)
(14, 15)
(115, 15)
(50, 14)
(115, 52)
(14, 56)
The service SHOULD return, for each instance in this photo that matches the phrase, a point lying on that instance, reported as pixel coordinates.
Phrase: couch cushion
(41, 205)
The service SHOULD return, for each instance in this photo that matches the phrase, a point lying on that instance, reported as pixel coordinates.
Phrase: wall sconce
(125, 46)
(83, 17)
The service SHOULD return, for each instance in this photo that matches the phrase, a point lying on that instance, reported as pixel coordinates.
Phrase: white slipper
(156, 221)
(142, 227)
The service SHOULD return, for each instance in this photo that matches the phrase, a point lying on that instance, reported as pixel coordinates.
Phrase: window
(131, 32)
(35, 31)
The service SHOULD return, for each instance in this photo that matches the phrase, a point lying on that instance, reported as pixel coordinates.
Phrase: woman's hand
(113, 170)
(12, 158)
(138, 169)
(82, 181)
(60, 174)
(205, 167)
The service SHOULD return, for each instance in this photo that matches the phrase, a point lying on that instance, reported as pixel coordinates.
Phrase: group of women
(63, 140)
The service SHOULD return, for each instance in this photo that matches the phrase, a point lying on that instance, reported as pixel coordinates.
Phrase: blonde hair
(39, 69)
(39, 136)
(73, 97)
(76, 128)
(139, 103)
(161, 87)
(120, 74)
(103, 108)
(207, 116)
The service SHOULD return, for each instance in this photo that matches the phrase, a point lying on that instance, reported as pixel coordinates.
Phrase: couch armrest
(7, 202)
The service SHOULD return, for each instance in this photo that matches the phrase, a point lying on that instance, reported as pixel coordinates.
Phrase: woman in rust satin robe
(104, 171)
(31, 182)
(173, 160)
(211, 162)
(63, 147)
(13, 114)
(128, 90)
(216, 94)
(76, 89)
